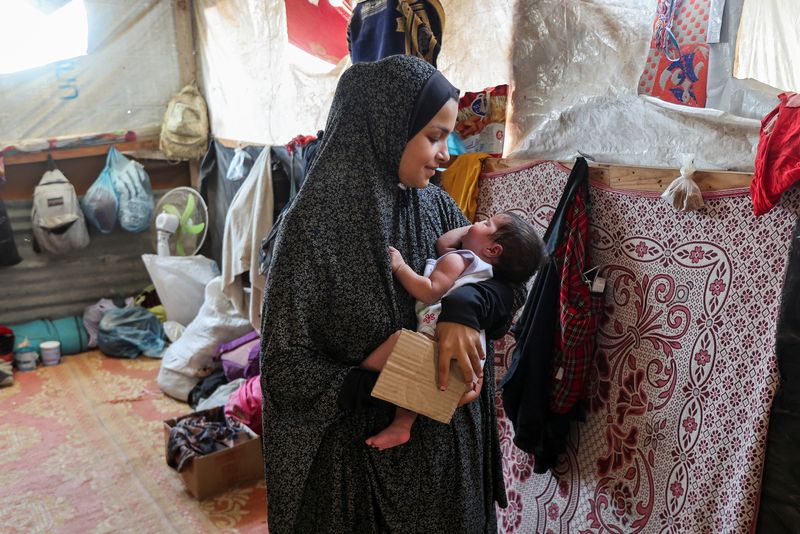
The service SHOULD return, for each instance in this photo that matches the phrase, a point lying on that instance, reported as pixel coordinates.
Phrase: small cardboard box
(212, 474)
(409, 379)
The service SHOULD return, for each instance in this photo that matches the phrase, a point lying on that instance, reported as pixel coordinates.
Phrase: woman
(331, 299)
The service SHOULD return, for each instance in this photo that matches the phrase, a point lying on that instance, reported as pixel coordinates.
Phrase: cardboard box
(214, 473)
(409, 379)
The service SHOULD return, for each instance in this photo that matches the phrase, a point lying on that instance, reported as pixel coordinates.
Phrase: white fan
(181, 222)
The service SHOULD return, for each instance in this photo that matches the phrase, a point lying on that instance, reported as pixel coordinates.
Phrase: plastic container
(51, 352)
(26, 360)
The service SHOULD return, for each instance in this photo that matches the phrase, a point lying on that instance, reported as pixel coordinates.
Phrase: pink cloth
(684, 373)
(245, 404)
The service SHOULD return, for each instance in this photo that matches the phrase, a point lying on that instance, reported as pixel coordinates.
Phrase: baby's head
(509, 243)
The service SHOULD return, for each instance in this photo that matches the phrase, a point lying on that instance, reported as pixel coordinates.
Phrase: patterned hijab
(330, 296)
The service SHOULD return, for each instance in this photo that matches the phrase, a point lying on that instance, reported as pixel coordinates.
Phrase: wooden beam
(184, 40)
(22, 158)
(635, 178)
(236, 143)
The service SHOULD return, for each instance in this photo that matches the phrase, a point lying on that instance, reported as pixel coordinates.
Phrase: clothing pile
(198, 435)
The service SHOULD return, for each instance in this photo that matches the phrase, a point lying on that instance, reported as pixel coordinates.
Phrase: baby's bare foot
(391, 436)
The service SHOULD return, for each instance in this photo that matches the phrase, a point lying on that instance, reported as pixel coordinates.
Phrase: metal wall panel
(44, 286)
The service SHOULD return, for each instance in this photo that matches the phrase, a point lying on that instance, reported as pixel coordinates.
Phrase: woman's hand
(396, 259)
(472, 392)
(463, 344)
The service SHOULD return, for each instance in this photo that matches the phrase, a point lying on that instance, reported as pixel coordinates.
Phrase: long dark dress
(330, 300)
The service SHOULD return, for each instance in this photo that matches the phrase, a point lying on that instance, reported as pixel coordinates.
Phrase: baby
(504, 246)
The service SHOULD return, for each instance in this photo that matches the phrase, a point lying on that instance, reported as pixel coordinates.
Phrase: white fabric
(768, 47)
(258, 90)
(254, 86)
(476, 44)
(477, 271)
(248, 221)
(185, 361)
(123, 83)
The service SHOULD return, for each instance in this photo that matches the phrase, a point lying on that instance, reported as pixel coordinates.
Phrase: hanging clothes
(546, 377)
(577, 310)
(383, 28)
(461, 181)
(8, 248)
(290, 165)
(248, 220)
(218, 191)
(777, 165)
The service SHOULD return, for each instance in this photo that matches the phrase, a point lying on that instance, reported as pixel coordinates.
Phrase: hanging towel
(461, 181)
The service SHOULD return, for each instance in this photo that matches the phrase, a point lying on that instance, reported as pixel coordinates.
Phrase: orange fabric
(460, 180)
(82, 450)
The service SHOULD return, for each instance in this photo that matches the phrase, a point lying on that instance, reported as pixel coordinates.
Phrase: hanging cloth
(777, 165)
(526, 386)
(461, 181)
(383, 28)
(8, 247)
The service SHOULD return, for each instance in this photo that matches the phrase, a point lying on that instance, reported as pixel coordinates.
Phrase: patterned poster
(685, 371)
(676, 70)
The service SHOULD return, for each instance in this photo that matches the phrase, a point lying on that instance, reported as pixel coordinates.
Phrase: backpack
(57, 219)
(184, 131)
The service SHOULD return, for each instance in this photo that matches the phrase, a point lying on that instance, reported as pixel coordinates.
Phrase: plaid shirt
(578, 316)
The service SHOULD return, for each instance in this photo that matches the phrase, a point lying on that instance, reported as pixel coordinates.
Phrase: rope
(664, 38)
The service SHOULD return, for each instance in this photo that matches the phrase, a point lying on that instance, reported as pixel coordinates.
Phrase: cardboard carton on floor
(214, 473)
(409, 379)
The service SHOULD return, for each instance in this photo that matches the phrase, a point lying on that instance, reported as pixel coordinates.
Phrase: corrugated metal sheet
(43, 286)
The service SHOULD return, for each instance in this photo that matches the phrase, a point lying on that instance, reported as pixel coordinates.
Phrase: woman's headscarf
(331, 297)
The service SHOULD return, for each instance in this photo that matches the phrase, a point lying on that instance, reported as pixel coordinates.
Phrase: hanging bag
(100, 202)
(135, 195)
(57, 222)
(184, 131)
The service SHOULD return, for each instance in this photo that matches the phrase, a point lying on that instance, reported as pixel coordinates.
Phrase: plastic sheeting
(476, 45)
(124, 82)
(576, 65)
(768, 37)
(259, 91)
(255, 87)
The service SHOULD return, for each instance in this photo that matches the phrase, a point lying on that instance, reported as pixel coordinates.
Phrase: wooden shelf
(640, 178)
(22, 158)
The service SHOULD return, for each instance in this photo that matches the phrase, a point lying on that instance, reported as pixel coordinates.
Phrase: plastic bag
(683, 193)
(240, 165)
(481, 122)
(180, 282)
(100, 202)
(189, 358)
(135, 195)
(93, 314)
(127, 332)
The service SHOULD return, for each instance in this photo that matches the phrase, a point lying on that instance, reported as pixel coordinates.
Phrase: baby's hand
(396, 259)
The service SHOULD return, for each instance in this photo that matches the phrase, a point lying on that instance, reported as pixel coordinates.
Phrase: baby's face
(479, 237)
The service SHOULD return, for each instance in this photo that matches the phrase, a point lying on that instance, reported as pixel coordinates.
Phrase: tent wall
(576, 66)
(123, 83)
(258, 91)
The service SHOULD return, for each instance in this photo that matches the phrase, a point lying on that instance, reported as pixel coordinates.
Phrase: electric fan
(181, 222)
